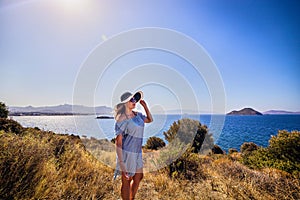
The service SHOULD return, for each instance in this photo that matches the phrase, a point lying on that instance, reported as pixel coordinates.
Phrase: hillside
(60, 109)
(245, 111)
(39, 164)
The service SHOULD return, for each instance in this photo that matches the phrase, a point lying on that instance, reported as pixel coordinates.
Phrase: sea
(229, 131)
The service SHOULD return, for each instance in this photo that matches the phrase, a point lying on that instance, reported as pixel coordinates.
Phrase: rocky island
(245, 111)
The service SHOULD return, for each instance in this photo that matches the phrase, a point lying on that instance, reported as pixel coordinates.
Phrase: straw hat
(127, 96)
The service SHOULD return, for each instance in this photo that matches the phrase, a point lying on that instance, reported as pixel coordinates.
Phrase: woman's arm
(119, 152)
(148, 118)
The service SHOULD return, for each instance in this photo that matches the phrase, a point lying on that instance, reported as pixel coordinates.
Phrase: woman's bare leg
(125, 188)
(135, 182)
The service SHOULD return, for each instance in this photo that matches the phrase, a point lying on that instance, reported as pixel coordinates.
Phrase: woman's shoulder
(139, 114)
(121, 118)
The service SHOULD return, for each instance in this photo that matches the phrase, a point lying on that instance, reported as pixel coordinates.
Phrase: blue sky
(254, 44)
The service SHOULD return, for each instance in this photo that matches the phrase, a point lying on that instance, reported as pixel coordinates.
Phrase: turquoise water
(228, 131)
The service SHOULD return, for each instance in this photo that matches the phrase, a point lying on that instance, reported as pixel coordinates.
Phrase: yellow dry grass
(44, 165)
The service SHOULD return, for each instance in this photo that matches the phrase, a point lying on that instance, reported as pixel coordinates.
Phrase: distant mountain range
(65, 109)
(280, 112)
(68, 109)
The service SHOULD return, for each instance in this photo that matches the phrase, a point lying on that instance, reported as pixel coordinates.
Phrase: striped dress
(132, 131)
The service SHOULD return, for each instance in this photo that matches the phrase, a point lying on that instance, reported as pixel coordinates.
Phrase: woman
(129, 130)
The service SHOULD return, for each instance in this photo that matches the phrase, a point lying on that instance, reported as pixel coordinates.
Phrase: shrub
(217, 150)
(186, 137)
(283, 153)
(3, 110)
(189, 131)
(286, 146)
(232, 150)
(181, 163)
(187, 166)
(155, 143)
(113, 140)
(9, 125)
(248, 147)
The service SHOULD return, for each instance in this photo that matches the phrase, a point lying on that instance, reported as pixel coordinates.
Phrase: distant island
(104, 117)
(245, 111)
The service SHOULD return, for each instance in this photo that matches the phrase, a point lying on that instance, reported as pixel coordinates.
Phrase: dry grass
(102, 150)
(44, 165)
(242, 182)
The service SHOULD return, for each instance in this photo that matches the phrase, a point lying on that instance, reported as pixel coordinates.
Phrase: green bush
(283, 153)
(155, 143)
(3, 110)
(286, 146)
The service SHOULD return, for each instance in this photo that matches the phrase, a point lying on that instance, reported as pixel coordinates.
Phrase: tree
(3, 110)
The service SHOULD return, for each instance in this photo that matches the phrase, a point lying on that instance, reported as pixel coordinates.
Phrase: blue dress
(132, 131)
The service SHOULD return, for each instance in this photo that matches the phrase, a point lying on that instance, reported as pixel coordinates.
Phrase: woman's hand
(123, 169)
(149, 118)
(143, 103)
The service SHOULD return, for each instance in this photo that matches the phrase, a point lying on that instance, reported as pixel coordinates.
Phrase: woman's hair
(119, 110)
